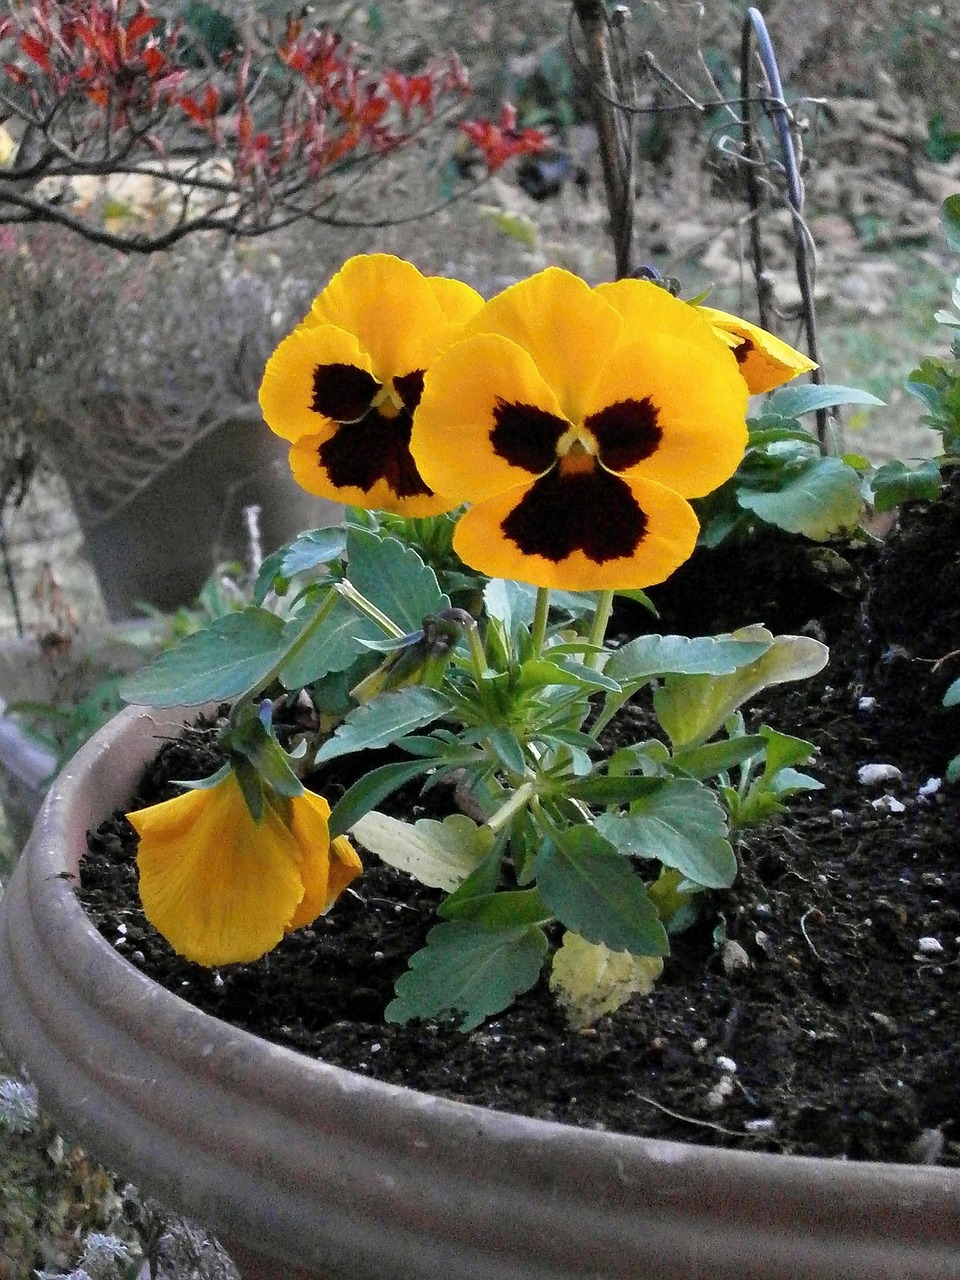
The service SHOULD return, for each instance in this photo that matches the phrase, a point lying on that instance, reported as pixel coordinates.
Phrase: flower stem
(368, 609)
(349, 592)
(285, 655)
(541, 612)
(524, 793)
(598, 628)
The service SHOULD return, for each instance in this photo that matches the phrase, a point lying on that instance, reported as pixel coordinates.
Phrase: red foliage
(502, 141)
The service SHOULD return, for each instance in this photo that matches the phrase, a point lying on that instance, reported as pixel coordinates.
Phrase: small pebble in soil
(765, 1125)
(930, 947)
(872, 775)
(727, 1065)
(867, 704)
(720, 1092)
(888, 804)
(930, 787)
(734, 957)
(928, 1148)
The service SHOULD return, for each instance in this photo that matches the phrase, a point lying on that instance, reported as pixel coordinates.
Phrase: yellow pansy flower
(584, 420)
(765, 361)
(342, 388)
(222, 887)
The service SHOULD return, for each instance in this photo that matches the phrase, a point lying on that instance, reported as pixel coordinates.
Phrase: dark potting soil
(832, 1027)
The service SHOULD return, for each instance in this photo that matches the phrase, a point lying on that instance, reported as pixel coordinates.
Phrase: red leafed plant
(241, 142)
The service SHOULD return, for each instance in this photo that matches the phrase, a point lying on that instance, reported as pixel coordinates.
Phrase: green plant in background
(64, 725)
(937, 383)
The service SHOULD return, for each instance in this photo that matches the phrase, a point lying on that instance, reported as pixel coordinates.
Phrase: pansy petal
(218, 886)
(586, 531)
(315, 365)
(458, 301)
(487, 420)
(366, 464)
(644, 306)
(565, 325)
(391, 309)
(672, 411)
(306, 820)
(765, 361)
(345, 866)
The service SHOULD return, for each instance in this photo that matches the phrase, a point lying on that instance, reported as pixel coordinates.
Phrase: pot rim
(106, 1045)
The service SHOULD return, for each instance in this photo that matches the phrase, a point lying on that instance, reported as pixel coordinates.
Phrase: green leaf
(590, 980)
(594, 891)
(584, 675)
(515, 225)
(380, 722)
(438, 854)
(335, 645)
(649, 656)
(694, 708)
(394, 578)
(612, 789)
(894, 483)
(267, 577)
(313, 549)
(683, 825)
(221, 662)
(507, 749)
(783, 750)
(508, 907)
(373, 787)
(952, 697)
(805, 397)
(471, 968)
(716, 757)
(821, 499)
(950, 221)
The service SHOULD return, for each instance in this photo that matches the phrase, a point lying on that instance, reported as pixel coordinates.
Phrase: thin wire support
(754, 28)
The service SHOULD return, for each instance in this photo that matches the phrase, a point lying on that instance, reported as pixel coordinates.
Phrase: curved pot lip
(280, 1075)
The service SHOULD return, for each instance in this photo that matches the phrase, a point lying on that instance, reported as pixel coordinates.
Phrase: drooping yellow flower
(583, 419)
(765, 361)
(222, 887)
(342, 388)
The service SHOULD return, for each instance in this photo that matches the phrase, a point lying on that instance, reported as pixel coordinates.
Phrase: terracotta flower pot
(308, 1170)
(161, 546)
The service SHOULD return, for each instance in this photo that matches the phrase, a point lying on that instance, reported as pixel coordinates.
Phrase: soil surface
(837, 1033)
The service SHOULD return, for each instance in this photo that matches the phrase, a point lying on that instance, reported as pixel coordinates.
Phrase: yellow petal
(391, 309)
(644, 306)
(289, 382)
(458, 415)
(218, 886)
(765, 361)
(378, 494)
(345, 866)
(668, 538)
(458, 302)
(566, 326)
(695, 395)
(306, 820)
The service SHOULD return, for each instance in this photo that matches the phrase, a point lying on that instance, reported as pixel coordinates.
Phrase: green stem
(477, 656)
(540, 615)
(598, 628)
(301, 639)
(523, 794)
(369, 610)
(349, 593)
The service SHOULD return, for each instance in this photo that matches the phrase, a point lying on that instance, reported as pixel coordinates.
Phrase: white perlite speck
(872, 775)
